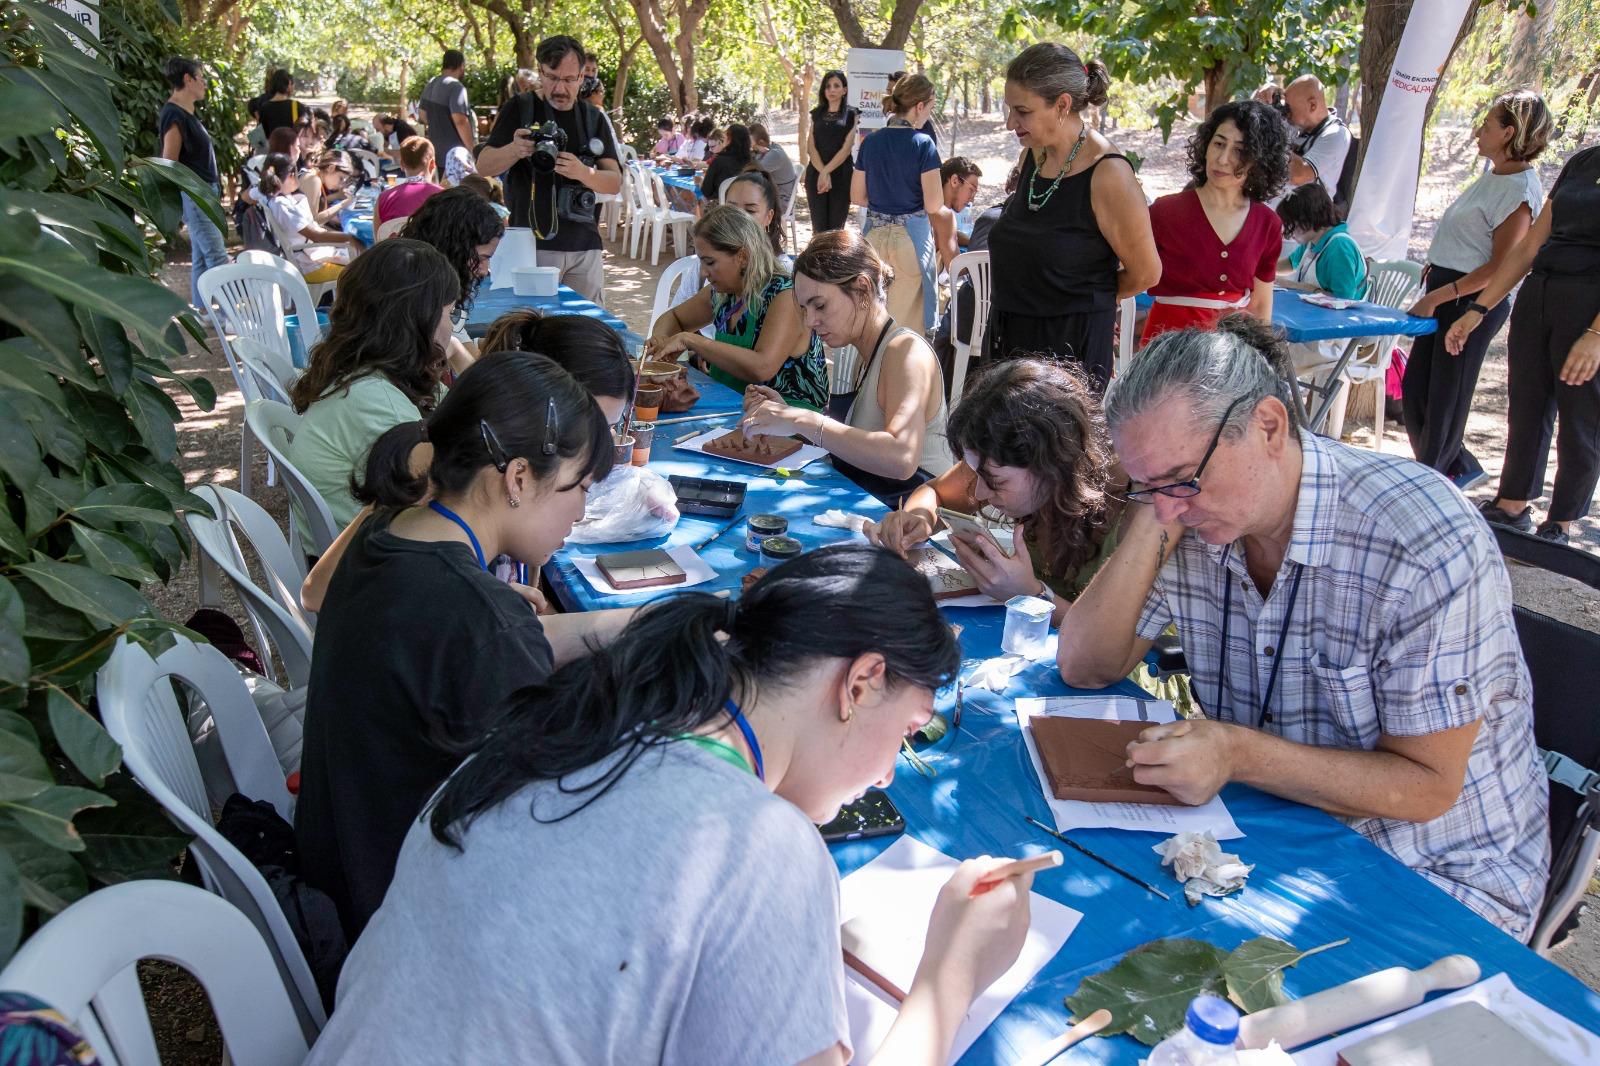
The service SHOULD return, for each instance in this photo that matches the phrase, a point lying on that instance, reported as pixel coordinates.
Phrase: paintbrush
(1074, 845)
(737, 519)
(695, 418)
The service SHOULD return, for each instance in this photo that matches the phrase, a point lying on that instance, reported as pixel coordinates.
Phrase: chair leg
(1377, 413)
(244, 460)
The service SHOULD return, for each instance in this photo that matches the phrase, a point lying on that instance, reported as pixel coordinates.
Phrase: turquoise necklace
(1035, 200)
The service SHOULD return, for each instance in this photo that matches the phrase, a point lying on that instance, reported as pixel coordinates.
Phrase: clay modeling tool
(1015, 868)
(1082, 1031)
(1353, 1003)
(695, 418)
(718, 533)
(1074, 845)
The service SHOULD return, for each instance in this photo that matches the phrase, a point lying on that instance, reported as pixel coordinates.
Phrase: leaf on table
(1254, 971)
(1148, 991)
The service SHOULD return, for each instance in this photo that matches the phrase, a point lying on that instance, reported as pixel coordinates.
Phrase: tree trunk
(855, 35)
(1525, 68)
(653, 28)
(984, 102)
(1216, 86)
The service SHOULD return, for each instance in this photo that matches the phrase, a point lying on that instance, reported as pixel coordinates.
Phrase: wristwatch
(1478, 307)
(1048, 593)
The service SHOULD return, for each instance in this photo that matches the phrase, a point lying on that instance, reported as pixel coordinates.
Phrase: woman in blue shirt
(1328, 258)
(897, 179)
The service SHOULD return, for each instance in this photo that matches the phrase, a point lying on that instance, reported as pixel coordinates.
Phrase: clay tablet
(761, 448)
(640, 569)
(944, 574)
(1084, 757)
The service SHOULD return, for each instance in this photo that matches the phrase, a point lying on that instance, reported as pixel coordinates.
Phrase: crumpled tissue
(994, 674)
(841, 520)
(1271, 1055)
(1200, 863)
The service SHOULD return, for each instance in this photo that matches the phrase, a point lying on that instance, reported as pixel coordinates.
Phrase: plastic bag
(632, 503)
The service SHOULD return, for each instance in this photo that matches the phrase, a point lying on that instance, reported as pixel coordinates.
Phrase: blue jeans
(920, 232)
(208, 247)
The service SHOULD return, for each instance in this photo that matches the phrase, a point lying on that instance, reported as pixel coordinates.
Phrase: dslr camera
(549, 141)
(575, 202)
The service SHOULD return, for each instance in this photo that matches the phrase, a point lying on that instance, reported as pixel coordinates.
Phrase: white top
(692, 150)
(865, 412)
(1465, 238)
(1327, 152)
(292, 213)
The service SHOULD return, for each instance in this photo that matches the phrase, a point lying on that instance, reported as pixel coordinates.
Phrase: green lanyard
(720, 748)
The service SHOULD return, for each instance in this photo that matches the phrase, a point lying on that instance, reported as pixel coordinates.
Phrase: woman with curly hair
(1219, 241)
(1035, 455)
(381, 363)
(466, 229)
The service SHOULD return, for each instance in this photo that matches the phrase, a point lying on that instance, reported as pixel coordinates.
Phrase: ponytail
(1099, 87)
(388, 480)
(679, 661)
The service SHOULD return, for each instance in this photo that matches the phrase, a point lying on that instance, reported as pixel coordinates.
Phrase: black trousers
(1551, 313)
(831, 209)
(1436, 392)
(1085, 337)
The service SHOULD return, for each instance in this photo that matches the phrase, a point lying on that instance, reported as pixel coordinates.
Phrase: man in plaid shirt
(1346, 617)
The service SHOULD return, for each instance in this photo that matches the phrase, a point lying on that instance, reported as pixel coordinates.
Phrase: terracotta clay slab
(758, 449)
(945, 576)
(641, 569)
(1085, 760)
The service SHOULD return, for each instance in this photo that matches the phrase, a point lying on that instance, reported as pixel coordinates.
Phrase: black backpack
(1347, 177)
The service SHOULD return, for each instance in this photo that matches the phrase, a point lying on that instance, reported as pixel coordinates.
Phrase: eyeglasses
(551, 79)
(1182, 490)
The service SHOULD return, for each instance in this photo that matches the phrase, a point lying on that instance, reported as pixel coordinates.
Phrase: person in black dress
(1078, 212)
(833, 129)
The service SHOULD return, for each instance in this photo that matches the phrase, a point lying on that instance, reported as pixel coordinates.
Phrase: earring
(513, 501)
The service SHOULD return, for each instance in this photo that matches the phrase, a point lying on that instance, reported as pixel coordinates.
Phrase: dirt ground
(209, 441)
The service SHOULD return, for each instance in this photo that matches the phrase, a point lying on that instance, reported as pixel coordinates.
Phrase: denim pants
(919, 231)
(208, 247)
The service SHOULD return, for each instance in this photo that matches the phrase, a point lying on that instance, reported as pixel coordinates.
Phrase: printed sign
(86, 15)
(868, 70)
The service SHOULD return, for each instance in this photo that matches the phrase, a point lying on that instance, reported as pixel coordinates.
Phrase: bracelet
(1591, 329)
(1455, 287)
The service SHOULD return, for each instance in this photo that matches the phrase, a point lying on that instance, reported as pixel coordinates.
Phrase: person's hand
(972, 940)
(668, 348)
(1192, 758)
(899, 531)
(824, 182)
(534, 597)
(756, 395)
(356, 243)
(776, 418)
(1427, 304)
(998, 577)
(1456, 339)
(1582, 360)
(570, 166)
(522, 143)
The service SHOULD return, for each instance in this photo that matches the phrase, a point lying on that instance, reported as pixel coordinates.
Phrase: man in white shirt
(1324, 138)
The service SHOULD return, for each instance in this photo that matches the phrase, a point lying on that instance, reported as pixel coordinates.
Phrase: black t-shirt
(581, 123)
(275, 113)
(1053, 261)
(720, 169)
(1574, 244)
(417, 650)
(195, 152)
(828, 130)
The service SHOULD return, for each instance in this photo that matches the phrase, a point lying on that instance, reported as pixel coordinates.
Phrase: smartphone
(873, 815)
(969, 526)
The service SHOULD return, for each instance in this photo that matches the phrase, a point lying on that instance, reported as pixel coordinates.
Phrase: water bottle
(1206, 1039)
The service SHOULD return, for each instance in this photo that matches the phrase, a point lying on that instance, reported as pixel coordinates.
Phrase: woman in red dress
(1219, 241)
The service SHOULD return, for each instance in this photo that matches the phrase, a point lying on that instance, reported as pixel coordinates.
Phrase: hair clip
(551, 426)
(491, 444)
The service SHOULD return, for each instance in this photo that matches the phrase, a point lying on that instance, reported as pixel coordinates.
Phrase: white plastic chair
(142, 714)
(975, 267)
(284, 566)
(1127, 317)
(788, 221)
(1396, 284)
(679, 282)
(289, 242)
(391, 227)
(274, 425)
(636, 190)
(367, 161)
(666, 218)
(82, 963)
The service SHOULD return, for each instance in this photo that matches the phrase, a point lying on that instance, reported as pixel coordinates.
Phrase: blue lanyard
(1277, 652)
(439, 508)
(749, 738)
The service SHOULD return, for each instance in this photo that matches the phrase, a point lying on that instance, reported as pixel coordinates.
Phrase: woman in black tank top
(1075, 237)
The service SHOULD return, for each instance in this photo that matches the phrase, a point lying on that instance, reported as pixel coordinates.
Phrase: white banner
(85, 14)
(1386, 191)
(868, 70)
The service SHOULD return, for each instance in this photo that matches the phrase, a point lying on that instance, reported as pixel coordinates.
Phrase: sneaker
(1522, 521)
(1468, 482)
(1552, 532)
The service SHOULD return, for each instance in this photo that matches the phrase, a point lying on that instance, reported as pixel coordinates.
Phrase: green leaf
(87, 102)
(109, 341)
(10, 905)
(112, 553)
(1148, 991)
(42, 317)
(152, 412)
(19, 727)
(82, 739)
(49, 815)
(107, 505)
(51, 878)
(20, 757)
(26, 112)
(137, 302)
(132, 840)
(14, 659)
(19, 452)
(13, 787)
(187, 181)
(11, 538)
(104, 599)
(1254, 971)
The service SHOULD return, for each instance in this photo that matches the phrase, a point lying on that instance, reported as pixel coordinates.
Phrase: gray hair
(1242, 359)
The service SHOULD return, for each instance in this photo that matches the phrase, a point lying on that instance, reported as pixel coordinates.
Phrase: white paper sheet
(1103, 708)
(897, 891)
(1564, 1040)
(808, 452)
(1143, 817)
(696, 571)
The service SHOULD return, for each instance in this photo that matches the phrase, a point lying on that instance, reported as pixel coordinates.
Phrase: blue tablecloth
(687, 182)
(355, 217)
(1315, 880)
(1303, 322)
(490, 303)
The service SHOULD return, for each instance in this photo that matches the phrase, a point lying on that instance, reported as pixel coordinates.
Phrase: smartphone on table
(873, 815)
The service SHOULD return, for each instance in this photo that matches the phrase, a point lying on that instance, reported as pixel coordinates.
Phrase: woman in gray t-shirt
(1475, 235)
(627, 870)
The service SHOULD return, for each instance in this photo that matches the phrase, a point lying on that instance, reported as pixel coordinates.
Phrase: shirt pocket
(1341, 709)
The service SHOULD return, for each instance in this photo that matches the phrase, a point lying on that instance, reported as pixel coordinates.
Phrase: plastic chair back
(142, 714)
(284, 568)
(82, 964)
(368, 161)
(248, 298)
(679, 282)
(974, 266)
(274, 425)
(391, 228)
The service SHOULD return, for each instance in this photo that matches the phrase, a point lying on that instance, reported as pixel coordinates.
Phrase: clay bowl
(657, 372)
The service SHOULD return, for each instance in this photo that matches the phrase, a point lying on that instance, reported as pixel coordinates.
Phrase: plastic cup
(624, 450)
(647, 403)
(1027, 625)
(643, 434)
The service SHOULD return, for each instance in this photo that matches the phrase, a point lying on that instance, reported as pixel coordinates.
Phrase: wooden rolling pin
(1353, 1003)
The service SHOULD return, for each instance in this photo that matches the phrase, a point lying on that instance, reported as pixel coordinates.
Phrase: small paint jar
(776, 551)
(763, 526)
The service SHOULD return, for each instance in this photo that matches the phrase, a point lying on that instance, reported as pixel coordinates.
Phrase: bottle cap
(1213, 1020)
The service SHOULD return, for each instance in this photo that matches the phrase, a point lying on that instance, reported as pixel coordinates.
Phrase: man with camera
(555, 153)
